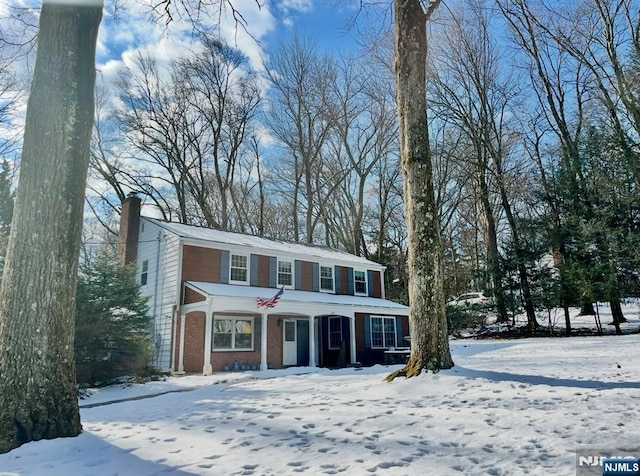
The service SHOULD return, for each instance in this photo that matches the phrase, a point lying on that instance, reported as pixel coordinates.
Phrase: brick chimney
(129, 229)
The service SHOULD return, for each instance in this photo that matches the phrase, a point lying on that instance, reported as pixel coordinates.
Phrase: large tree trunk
(429, 338)
(38, 396)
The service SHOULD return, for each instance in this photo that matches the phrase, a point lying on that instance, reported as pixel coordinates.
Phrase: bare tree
(429, 337)
(559, 85)
(478, 96)
(298, 119)
(364, 133)
(225, 100)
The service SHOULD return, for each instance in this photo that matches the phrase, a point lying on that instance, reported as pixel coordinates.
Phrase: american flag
(271, 303)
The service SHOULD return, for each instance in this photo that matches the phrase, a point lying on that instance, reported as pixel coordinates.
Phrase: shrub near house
(112, 322)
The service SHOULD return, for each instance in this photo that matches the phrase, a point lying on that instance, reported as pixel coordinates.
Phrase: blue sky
(276, 20)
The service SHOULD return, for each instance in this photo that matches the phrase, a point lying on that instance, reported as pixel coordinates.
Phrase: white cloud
(302, 6)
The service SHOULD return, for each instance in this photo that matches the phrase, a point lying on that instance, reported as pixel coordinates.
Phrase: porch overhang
(234, 298)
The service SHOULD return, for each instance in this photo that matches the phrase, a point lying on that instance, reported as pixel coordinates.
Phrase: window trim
(339, 318)
(333, 279)
(293, 273)
(233, 333)
(248, 270)
(366, 284)
(384, 343)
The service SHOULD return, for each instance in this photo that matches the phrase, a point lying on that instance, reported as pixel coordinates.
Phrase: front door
(289, 343)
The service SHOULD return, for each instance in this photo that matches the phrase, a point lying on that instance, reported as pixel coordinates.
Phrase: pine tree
(112, 321)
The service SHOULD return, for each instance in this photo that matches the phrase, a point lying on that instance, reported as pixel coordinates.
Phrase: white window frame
(329, 332)
(385, 344)
(293, 273)
(233, 320)
(231, 267)
(333, 279)
(366, 284)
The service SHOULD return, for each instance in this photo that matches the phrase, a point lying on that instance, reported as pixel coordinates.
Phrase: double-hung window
(238, 269)
(383, 331)
(360, 282)
(144, 275)
(335, 332)
(326, 279)
(233, 333)
(285, 273)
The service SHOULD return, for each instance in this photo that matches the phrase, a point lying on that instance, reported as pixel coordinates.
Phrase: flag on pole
(271, 303)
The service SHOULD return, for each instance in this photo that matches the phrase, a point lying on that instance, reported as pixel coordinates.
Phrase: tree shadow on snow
(541, 380)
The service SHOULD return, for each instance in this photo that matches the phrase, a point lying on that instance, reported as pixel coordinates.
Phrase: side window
(238, 269)
(144, 275)
(326, 279)
(360, 282)
(285, 273)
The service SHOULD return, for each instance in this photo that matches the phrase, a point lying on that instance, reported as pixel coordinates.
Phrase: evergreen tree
(112, 321)
(602, 224)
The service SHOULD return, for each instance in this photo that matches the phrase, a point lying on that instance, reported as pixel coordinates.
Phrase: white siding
(161, 249)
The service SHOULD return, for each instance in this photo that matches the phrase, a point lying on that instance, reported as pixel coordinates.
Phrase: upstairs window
(326, 278)
(238, 271)
(144, 275)
(285, 273)
(360, 282)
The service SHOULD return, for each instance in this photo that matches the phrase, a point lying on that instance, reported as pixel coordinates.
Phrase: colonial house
(229, 301)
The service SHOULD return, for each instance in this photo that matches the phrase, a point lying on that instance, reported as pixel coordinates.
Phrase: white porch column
(352, 333)
(183, 318)
(208, 331)
(312, 342)
(263, 342)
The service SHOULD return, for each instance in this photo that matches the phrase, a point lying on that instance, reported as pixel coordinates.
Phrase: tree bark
(38, 396)
(428, 323)
(618, 316)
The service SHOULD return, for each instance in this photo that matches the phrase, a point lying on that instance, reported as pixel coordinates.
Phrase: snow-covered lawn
(508, 407)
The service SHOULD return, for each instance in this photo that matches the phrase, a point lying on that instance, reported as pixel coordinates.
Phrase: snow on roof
(231, 290)
(212, 235)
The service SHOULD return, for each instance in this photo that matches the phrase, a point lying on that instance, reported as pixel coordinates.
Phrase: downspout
(156, 337)
(177, 304)
(174, 336)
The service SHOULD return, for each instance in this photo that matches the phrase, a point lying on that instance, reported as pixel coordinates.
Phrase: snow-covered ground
(508, 407)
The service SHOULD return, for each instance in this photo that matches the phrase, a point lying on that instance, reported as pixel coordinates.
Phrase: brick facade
(200, 264)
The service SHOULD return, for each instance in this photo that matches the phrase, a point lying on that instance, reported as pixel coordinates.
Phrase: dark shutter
(273, 272)
(298, 277)
(253, 270)
(367, 332)
(350, 282)
(370, 278)
(257, 333)
(338, 272)
(224, 267)
(316, 277)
